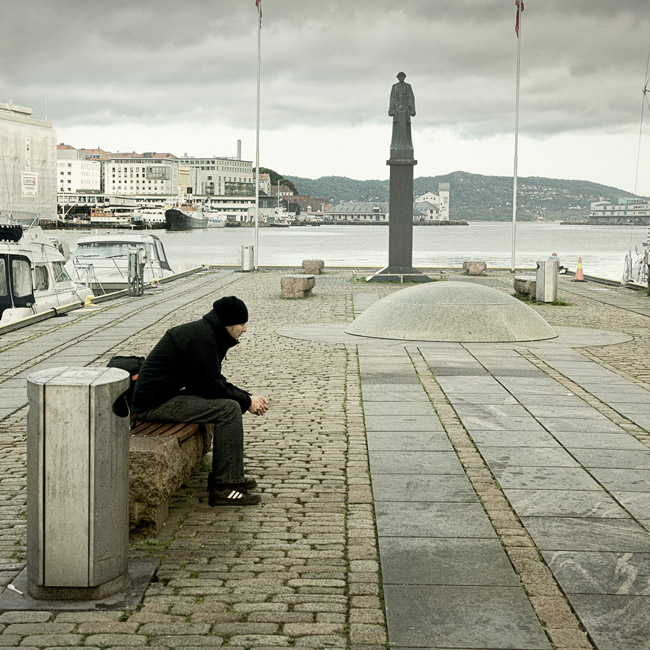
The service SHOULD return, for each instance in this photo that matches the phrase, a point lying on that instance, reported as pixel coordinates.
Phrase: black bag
(132, 365)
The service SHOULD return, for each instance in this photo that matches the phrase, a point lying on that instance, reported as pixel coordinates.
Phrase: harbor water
(602, 248)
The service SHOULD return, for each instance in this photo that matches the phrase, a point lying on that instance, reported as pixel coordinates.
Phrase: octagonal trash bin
(77, 484)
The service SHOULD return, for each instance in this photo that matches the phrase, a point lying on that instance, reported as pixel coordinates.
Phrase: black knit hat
(231, 311)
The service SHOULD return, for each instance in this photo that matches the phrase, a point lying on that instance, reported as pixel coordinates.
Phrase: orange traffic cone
(579, 277)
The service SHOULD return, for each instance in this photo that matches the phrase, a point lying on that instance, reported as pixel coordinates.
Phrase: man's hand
(259, 405)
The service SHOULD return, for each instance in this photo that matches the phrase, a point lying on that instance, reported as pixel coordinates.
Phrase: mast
(644, 101)
(257, 133)
(520, 8)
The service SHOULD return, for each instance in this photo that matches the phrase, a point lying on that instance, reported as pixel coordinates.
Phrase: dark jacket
(187, 360)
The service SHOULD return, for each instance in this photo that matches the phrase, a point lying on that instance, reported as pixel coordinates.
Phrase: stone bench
(315, 267)
(297, 286)
(162, 456)
(526, 285)
(474, 267)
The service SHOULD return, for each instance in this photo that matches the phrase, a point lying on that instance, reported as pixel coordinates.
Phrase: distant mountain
(478, 197)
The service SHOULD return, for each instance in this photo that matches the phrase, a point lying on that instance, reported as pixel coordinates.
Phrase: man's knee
(230, 409)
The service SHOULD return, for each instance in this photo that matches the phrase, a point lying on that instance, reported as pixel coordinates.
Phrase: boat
(111, 217)
(33, 278)
(280, 218)
(215, 220)
(101, 261)
(150, 217)
(185, 217)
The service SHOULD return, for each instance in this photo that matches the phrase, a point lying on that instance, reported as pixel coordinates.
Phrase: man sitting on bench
(181, 381)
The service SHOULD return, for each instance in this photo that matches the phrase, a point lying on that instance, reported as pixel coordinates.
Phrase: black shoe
(231, 496)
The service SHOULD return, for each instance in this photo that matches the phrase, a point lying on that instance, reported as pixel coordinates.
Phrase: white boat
(33, 278)
(215, 220)
(111, 218)
(280, 219)
(102, 261)
(150, 217)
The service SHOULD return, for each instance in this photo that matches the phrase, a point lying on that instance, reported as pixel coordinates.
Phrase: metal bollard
(77, 484)
(136, 271)
(247, 258)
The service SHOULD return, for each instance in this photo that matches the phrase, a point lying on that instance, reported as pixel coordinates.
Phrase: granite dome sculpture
(460, 312)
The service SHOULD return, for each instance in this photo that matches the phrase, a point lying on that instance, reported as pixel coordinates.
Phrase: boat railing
(85, 274)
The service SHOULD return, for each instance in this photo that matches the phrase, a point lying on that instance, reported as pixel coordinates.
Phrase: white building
(433, 207)
(144, 176)
(219, 176)
(75, 173)
(624, 211)
(27, 162)
(239, 208)
(265, 182)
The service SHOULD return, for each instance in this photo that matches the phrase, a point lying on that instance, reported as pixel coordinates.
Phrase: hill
(478, 197)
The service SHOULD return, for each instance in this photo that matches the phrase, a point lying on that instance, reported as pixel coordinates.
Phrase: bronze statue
(402, 108)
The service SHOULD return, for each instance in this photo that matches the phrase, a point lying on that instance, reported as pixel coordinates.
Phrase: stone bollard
(315, 267)
(297, 286)
(526, 285)
(77, 484)
(474, 267)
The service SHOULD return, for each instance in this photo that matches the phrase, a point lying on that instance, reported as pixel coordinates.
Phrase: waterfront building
(240, 209)
(431, 206)
(265, 182)
(281, 190)
(75, 173)
(309, 203)
(28, 162)
(358, 212)
(155, 180)
(634, 210)
(220, 176)
(149, 174)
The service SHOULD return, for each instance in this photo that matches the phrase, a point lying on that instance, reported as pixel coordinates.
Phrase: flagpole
(514, 184)
(257, 133)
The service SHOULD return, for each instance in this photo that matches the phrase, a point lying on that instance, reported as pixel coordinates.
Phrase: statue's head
(401, 76)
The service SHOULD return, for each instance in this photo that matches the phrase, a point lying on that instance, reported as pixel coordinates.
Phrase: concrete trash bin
(77, 484)
(546, 290)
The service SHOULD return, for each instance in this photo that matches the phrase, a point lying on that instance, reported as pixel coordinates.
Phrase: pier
(414, 495)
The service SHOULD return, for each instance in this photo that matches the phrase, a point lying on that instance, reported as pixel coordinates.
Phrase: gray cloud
(327, 64)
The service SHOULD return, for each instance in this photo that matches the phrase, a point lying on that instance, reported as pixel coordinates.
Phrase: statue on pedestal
(401, 108)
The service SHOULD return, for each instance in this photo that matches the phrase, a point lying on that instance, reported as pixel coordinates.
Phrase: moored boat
(102, 261)
(33, 278)
(280, 218)
(185, 217)
(150, 217)
(215, 220)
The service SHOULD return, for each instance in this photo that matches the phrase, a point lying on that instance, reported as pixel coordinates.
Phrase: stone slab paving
(563, 495)
(439, 552)
(429, 496)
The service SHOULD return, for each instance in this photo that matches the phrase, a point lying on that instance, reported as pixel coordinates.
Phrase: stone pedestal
(313, 267)
(400, 226)
(474, 267)
(297, 286)
(526, 285)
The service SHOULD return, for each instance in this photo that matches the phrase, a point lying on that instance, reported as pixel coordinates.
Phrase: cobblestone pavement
(303, 569)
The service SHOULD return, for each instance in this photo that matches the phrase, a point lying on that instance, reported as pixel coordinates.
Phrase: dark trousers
(228, 439)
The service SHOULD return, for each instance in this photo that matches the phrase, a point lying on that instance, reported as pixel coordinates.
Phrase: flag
(257, 4)
(520, 7)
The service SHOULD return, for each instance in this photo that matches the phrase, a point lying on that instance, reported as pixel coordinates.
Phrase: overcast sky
(164, 75)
